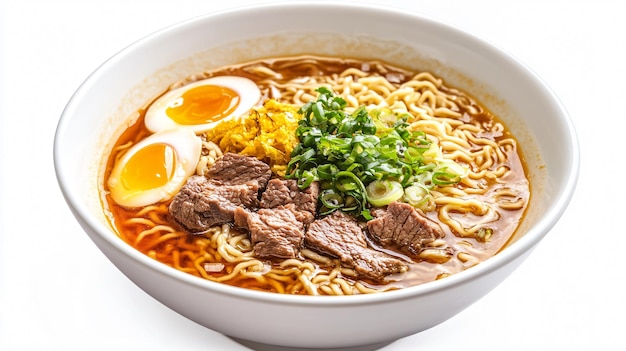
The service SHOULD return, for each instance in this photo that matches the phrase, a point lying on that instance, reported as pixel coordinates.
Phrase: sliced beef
(340, 235)
(233, 181)
(277, 229)
(239, 169)
(403, 229)
(281, 192)
(275, 232)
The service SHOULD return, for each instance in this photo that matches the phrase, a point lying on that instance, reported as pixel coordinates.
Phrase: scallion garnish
(347, 152)
(383, 192)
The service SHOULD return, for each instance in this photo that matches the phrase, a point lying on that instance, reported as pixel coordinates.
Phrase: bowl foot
(268, 347)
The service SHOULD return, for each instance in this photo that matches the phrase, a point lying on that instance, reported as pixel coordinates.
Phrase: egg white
(156, 119)
(187, 147)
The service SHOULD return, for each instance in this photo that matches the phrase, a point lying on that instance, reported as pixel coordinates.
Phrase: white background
(58, 292)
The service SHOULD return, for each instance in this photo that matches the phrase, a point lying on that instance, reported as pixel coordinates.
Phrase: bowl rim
(523, 245)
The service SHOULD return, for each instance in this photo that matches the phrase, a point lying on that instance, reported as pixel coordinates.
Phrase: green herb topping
(365, 158)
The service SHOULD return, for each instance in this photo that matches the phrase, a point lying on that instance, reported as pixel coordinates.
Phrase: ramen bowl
(101, 106)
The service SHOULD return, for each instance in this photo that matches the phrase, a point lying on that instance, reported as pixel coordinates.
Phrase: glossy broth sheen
(182, 251)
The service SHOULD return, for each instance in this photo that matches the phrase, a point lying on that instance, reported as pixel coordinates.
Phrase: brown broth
(169, 251)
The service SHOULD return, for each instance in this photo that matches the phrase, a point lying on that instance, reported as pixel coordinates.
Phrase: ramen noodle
(478, 213)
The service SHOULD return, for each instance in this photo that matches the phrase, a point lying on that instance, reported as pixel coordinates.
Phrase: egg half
(155, 168)
(199, 106)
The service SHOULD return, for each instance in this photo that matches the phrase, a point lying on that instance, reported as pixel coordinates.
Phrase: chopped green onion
(327, 171)
(484, 234)
(450, 166)
(383, 192)
(330, 199)
(347, 152)
(306, 179)
(348, 181)
(443, 178)
(416, 195)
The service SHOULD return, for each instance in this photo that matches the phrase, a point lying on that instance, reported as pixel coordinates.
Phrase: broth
(494, 195)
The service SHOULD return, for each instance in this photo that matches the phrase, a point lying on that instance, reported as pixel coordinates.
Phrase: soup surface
(410, 139)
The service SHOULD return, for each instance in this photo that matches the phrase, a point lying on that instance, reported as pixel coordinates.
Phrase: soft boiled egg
(155, 168)
(201, 105)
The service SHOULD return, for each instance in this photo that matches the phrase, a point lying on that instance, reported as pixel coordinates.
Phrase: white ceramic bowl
(130, 78)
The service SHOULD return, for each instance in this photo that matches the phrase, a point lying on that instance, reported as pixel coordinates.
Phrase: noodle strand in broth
(479, 214)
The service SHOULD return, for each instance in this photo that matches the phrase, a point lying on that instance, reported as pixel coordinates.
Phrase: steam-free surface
(67, 306)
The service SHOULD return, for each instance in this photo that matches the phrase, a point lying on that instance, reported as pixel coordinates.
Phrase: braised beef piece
(275, 232)
(285, 191)
(402, 228)
(340, 235)
(239, 169)
(277, 229)
(277, 221)
(233, 181)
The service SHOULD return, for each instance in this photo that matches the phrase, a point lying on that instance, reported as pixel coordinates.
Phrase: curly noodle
(469, 211)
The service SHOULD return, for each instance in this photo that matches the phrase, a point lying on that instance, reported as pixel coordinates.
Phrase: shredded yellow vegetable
(267, 133)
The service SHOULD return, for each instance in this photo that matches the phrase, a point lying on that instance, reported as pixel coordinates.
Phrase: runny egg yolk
(203, 104)
(150, 167)
(155, 168)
